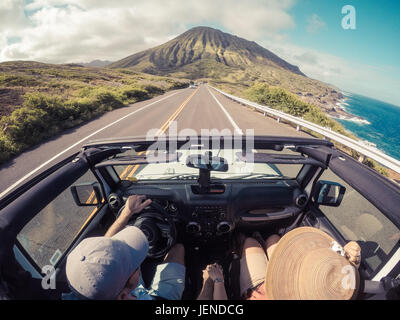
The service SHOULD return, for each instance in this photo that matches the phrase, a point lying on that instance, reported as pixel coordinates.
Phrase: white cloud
(315, 24)
(60, 31)
(82, 30)
(347, 75)
(12, 17)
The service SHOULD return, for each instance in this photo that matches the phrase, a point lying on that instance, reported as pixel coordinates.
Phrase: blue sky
(375, 41)
(307, 33)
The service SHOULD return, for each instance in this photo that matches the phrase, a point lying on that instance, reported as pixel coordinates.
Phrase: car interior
(207, 212)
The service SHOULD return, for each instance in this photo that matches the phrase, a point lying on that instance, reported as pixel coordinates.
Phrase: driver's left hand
(134, 204)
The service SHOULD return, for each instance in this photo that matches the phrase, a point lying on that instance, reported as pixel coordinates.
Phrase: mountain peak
(204, 46)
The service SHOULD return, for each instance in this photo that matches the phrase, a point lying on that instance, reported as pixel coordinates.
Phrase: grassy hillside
(39, 100)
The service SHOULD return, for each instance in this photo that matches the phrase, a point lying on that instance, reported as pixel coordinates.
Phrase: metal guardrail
(327, 133)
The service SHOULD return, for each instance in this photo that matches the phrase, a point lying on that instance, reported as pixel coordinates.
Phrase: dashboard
(207, 216)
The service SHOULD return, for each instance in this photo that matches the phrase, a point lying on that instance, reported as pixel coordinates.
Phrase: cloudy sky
(307, 33)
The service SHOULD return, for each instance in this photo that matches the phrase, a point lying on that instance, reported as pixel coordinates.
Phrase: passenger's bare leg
(250, 246)
(176, 254)
(271, 243)
(253, 256)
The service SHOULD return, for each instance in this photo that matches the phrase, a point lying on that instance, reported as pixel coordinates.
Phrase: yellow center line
(162, 130)
(91, 197)
(166, 125)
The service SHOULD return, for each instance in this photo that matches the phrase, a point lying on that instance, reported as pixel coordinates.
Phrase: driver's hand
(133, 205)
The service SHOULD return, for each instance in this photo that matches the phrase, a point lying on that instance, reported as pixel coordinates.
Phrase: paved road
(196, 109)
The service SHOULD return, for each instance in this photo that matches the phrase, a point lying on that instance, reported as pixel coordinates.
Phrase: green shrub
(133, 94)
(374, 165)
(281, 99)
(108, 100)
(9, 80)
(152, 89)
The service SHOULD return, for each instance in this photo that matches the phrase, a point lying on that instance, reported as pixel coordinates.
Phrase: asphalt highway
(190, 109)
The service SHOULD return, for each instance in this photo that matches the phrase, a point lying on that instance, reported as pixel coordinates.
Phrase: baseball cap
(99, 267)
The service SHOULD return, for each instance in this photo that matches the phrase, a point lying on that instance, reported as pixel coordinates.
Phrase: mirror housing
(328, 193)
(207, 162)
(87, 194)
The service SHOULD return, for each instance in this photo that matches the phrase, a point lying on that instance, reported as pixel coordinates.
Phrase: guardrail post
(265, 113)
(279, 120)
(361, 158)
(298, 128)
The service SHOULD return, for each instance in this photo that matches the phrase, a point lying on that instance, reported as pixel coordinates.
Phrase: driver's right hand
(134, 204)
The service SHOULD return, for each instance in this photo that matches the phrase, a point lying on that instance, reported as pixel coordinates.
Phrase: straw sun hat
(307, 264)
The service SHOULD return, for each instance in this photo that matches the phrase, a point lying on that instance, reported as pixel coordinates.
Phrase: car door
(43, 220)
(46, 238)
(363, 220)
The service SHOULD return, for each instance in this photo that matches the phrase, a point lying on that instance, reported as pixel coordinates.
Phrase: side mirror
(203, 162)
(328, 193)
(87, 194)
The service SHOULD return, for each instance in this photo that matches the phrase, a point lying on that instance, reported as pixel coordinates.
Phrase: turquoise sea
(382, 126)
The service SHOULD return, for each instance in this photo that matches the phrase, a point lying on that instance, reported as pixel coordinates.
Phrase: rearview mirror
(328, 193)
(87, 194)
(204, 162)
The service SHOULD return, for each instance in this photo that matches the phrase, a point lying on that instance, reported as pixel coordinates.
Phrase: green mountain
(202, 44)
(231, 62)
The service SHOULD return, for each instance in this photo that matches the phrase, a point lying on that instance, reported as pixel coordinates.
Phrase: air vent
(193, 227)
(301, 200)
(224, 227)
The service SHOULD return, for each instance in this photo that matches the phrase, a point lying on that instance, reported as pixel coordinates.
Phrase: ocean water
(382, 125)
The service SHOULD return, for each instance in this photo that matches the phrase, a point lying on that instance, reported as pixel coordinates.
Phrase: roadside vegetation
(285, 101)
(38, 101)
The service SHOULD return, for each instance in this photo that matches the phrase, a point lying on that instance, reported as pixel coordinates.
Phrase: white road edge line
(237, 129)
(77, 143)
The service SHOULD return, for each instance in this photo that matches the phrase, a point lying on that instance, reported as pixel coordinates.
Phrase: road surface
(195, 109)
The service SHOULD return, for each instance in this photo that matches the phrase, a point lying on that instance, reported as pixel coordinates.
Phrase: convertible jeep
(205, 191)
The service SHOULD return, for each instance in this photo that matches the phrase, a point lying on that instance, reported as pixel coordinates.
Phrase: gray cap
(99, 267)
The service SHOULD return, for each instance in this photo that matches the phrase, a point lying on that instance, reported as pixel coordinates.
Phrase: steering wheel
(158, 227)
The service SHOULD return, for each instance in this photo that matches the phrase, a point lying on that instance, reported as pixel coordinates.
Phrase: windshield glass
(237, 168)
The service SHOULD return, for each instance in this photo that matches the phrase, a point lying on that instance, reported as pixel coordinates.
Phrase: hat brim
(284, 273)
